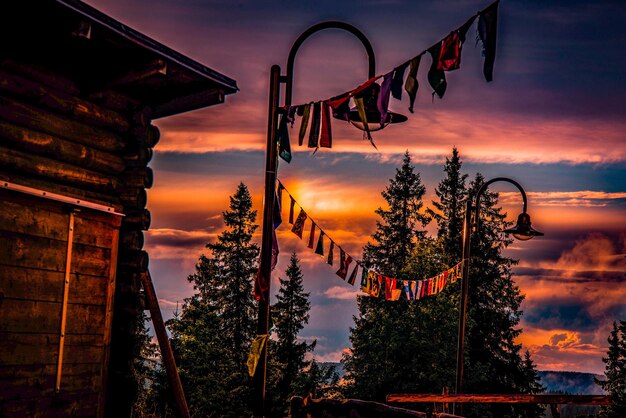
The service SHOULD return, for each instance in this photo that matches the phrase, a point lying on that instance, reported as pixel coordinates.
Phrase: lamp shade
(523, 230)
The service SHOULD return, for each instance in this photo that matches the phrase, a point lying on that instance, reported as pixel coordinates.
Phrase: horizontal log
(139, 177)
(76, 404)
(138, 157)
(49, 169)
(307, 407)
(47, 286)
(61, 149)
(49, 220)
(147, 136)
(131, 240)
(64, 103)
(502, 398)
(116, 101)
(63, 189)
(21, 250)
(41, 120)
(134, 198)
(22, 316)
(41, 75)
(133, 261)
(139, 219)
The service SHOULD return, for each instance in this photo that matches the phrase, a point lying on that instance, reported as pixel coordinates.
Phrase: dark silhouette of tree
(615, 372)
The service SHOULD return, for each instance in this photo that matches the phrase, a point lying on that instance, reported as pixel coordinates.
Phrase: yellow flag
(255, 353)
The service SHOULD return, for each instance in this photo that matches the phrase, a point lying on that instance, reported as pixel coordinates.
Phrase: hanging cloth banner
(306, 111)
(298, 226)
(411, 85)
(487, 32)
(446, 56)
(282, 137)
(255, 353)
(372, 283)
(319, 249)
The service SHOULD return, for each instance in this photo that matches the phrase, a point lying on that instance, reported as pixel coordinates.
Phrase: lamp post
(522, 231)
(271, 164)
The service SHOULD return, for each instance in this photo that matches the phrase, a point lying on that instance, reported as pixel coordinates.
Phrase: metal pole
(460, 356)
(271, 163)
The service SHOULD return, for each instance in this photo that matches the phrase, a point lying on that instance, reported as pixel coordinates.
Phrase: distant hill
(573, 383)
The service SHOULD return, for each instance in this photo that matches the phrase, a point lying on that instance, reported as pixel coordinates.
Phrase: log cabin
(78, 94)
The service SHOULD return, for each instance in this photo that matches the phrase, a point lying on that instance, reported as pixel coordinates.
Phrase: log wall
(96, 147)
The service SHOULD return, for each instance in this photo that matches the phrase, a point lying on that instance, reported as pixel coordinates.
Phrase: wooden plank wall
(33, 239)
(91, 143)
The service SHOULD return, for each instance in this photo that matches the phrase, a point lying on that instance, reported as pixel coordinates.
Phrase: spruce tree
(378, 362)
(452, 197)
(290, 314)
(615, 372)
(211, 338)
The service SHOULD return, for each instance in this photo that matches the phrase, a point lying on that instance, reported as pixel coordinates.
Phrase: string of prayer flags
(372, 283)
(487, 32)
(446, 56)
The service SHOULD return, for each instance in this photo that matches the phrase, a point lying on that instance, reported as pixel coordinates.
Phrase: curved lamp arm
(316, 28)
(494, 180)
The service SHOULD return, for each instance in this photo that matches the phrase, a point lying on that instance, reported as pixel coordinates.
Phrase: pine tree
(290, 313)
(615, 372)
(212, 336)
(452, 195)
(378, 362)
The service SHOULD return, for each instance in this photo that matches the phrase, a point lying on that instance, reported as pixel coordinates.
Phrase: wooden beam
(501, 398)
(196, 100)
(156, 67)
(308, 407)
(164, 344)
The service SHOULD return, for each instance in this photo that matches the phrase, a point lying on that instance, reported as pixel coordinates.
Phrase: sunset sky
(553, 119)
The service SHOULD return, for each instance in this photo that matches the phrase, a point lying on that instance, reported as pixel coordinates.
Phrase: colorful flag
(326, 135)
(319, 249)
(282, 135)
(436, 77)
(255, 352)
(291, 206)
(306, 111)
(398, 78)
(314, 132)
(344, 263)
(412, 84)
(331, 251)
(383, 97)
(487, 32)
(311, 235)
(352, 278)
(298, 226)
